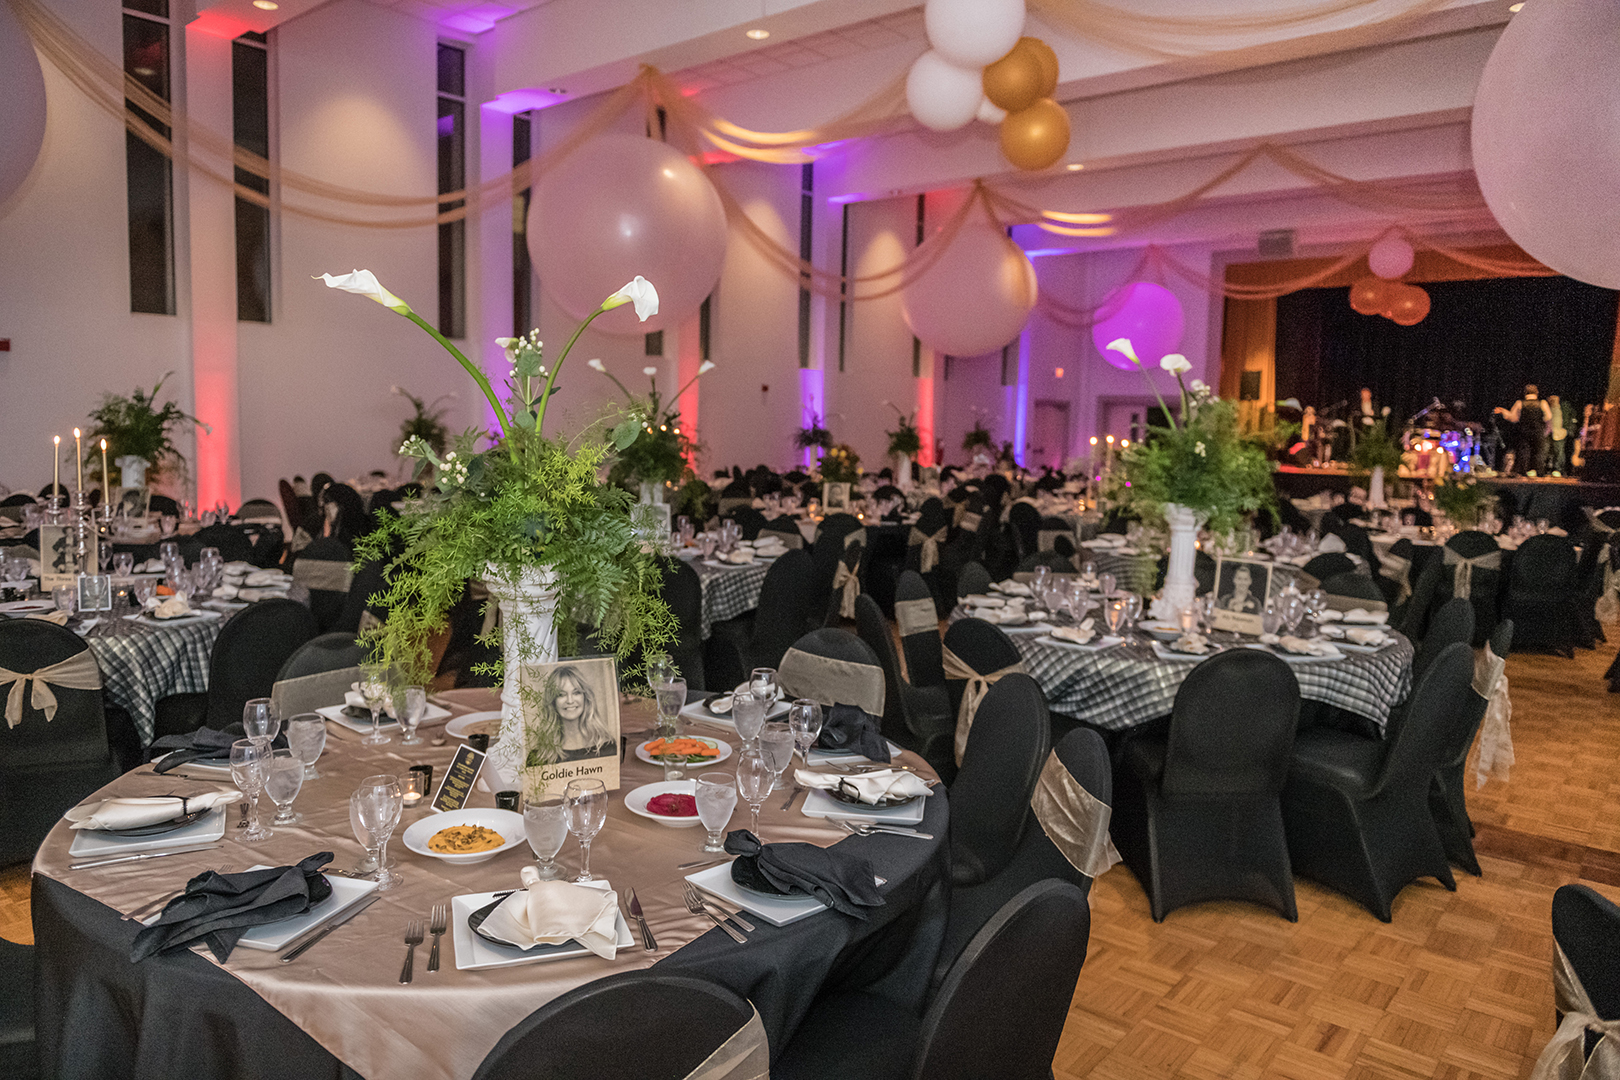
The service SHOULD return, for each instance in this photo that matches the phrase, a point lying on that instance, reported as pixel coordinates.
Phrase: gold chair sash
(1046, 539)
(916, 617)
(1462, 570)
(323, 575)
(1562, 1059)
(78, 672)
(928, 558)
(973, 693)
(847, 576)
(969, 522)
(306, 693)
(734, 502)
(1074, 819)
(1399, 571)
(1495, 734)
(831, 681)
(744, 1056)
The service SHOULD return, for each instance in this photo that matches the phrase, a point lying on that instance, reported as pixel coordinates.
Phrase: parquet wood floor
(1458, 986)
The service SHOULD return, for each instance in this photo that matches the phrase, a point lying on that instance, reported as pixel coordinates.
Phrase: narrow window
(522, 268)
(452, 177)
(250, 108)
(148, 172)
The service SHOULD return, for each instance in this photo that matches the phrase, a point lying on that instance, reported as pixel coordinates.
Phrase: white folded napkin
(239, 567)
(1299, 646)
(1366, 635)
(134, 813)
(172, 608)
(250, 595)
(1012, 588)
(151, 566)
(1080, 635)
(986, 601)
(554, 912)
(742, 556)
(1362, 615)
(60, 618)
(1330, 615)
(1329, 544)
(261, 578)
(1193, 642)
(869, 787)
(1331, 631)
(356, 699)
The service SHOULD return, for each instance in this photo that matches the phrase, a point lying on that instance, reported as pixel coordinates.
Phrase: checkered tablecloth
(730, 591)
(1128, 685)
(137, 669)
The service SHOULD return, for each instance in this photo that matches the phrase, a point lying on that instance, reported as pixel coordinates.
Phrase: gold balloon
(1014, 82)
(1048, 60)
(1036, 137)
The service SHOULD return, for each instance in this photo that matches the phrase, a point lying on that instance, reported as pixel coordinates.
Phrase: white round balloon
(973, 33)
(991, 113)
(1546, 135)
(22, 104)
(975, 297)
(1390, 257)
(942, 96)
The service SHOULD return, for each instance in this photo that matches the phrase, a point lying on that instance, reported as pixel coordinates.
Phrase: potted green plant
(813, 435)
(139, 434)
(1376, 456)
(426, 423)
(528, 515)
(905, 443)
(1461, 499)
(978, 436)
(662, 454)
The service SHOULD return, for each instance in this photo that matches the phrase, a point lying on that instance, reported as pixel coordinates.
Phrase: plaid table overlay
(729, 592)
(137, 669)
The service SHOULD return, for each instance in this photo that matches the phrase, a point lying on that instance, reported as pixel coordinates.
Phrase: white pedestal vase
(902, 472)
(528, 635)
(1375, 489)
(653, 494)
(1180, 586)
(131, 471)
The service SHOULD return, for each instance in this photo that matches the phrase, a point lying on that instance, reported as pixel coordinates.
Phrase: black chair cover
(247, 656)
(1356, 585)
(1025, 522)
(759, 639)
(826, 554)
(1448, 801)
(1544, 597)
(974, 580)
(328, 652)
(914, 717)
(1453, 622)
(1325, 566)
(749, 520)
(323, 567)
(1006, 751)
(921, 647)
(19, 1057)
(1586, 925)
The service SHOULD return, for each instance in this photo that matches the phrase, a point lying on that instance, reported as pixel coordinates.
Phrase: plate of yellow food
(687, 750)
(465, 836)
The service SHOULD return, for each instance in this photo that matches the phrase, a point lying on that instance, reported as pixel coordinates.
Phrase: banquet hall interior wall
(353, 102)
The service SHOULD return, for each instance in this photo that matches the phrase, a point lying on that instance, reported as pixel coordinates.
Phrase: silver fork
(439, 924)
(860, 828)
(413, 938)
(694, 904)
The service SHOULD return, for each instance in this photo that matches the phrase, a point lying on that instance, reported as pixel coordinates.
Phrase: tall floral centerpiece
(662, 454)
(840, 468)
(1377, 456)
(1461, 499)
(140, 433)
(905, 442)
(527, 514)
(1199, 472)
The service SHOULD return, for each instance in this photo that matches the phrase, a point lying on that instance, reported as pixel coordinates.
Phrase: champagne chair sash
(323, 575)
(1462, 570)
(916, 617)
(1074, 819)
(1045, 539)
(78, 672)
(973, 693)
(1495, 735)
(928, 558)
(307, 693)
(1562, 1057)
(969, 522)
(730, 503)
(744, 1056)
(1399, 571)
(831, 681)
(792, 539)
(848, 575)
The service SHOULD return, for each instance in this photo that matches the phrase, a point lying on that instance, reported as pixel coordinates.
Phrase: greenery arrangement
(813, 434)
(1460, 498)
(692, 500)
(663, 453)
(1376, 448)
(1205, 462)
(977, 436)
(524, 502)
(905, 440)
(427, 424)
(840, 465)
(138, 425)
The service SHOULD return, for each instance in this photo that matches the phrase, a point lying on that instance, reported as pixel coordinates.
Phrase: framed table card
(1241, 588)
(58, 562)
(459, 777)
(570, 707)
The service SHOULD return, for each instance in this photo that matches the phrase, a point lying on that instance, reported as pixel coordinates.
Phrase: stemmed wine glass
(763, 682)
(249, 758)
(754, 781)
(306, 734)
(1293, 609)
(259, 720)
(587, 810)
(1133, 613)
(748, 713)
(1114, 614)
(412, 711)
(374, 688)
(545, 823)
(776, 743)
(804, 720)
(380, 803)
(283, 780)
(716, 799)
(671, 698)
(1037, 584)
(1106, 584)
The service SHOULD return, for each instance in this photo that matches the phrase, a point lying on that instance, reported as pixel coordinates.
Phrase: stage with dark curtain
(1482, 341)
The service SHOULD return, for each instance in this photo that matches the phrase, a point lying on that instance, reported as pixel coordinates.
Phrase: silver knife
(311, 937)
(734, 916)
(143, 855)
(648, 942)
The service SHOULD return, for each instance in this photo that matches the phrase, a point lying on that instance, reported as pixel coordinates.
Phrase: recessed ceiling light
(1513, 9)
(759, 33)
(1074, 166)
(266, 5)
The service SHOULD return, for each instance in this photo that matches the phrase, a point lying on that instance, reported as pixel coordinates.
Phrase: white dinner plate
(273, 937)
(506, 822)
(459, 727)
(698, 711)
(1164, 653)
(334, 713)
(636, 799)
(1298, 658)
(776, 910)
(1094, 645)
(196, 616)
(474, 953)
(819, 804)
(98, 843)
(720, 744)
(17, 609)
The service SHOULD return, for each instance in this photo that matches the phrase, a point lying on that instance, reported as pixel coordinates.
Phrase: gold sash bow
(928, 558)
(1399, 571)
(1462, 570)
(1046, 539)
(744, 1056)
(831, 681)
(969, 522)
(916, 617)
(973, 693)
(848, 575)
(1074, 819)
(78, 672)
(1562, 1057)
(1495, 735)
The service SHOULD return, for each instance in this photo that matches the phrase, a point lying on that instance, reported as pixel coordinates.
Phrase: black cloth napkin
(852, 728)
(205, 744)
(219, 908)
(842, 881)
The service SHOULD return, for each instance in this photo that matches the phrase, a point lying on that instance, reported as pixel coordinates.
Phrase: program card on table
(1241, 588)
(570, 707)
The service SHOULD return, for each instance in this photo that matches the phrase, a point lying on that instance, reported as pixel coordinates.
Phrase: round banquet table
(339, 1010)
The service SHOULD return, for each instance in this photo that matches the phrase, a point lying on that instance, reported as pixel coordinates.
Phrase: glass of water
(283, 779)
(776, 742)
(587, 811)
(381, 803)
(545, 823)
(249, 766)
(413, 707)
(260, 721)
(306, 734)
(748, 713)
(716, 799)
(671, 696)
(804, 720)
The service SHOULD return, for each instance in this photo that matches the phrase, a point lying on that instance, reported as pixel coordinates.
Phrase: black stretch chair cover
(327, 652)
(1006, 751)
(367, 583)
(932, 519)
(232, 541)
(1485, 589)
(1448, 802)
(759, 639)
(1453, 622)
(1025, 522)
(1586, 925)
(1357, 810)
(46, 768)
(162, 505)
(1356, 585)
(1325, 566)
(683, 592)
(323, 566)
(983, 648)
(749, 520)
(1062, 564)
(249, 653)
(919, 639)
(913, 717)
(647, 1024)
(825, 555)
(1196, 813)
(19, 1056)
(786, 528)
(973, 580)
(1543, 595)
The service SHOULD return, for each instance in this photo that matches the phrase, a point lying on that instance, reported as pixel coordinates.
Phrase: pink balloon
(975, 297)
(1390, 257)
(22, 107)
(620, 206)
(1148, 314)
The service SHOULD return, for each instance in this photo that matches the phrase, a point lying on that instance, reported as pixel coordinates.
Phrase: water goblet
(249, 758)
(1088, 569)
(1078, 600)
(410, 715)
(660, 669)
(1114, 614)
(587, 809)
(260, 721)
(804, 720)
(1271, 618)
(1133, 610)
(776, 743)
(671, 697)
(283, 779)
(64, 599)
(754, 781)
(145, 590)
(367, 863)
(1293, 610)
(545, 823)
(381, 803)
(716, 799)
(1206, 611)
(123, 564)
(1106, 584)
(169, 551)
(1037, 585)
(762, 680)
(373, 686)
(706, 544)
(748, 713)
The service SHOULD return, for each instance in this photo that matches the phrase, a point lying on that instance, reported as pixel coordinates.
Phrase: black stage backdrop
(1482, 341)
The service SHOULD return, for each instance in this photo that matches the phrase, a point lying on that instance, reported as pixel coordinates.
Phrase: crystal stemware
(804, 720)
(283, 779)
(381, 803)
(373, 687)
(249, 759)
(753, 782)
(776, 743)
(748, 713)
(671, 698)
(260, 720)
(716, 799)
(545, 823)
(762, 680)
(587, 809)
(1114, 614)
(412, 709)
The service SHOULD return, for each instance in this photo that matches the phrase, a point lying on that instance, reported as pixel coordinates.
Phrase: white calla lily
(365, 283)
(1175, 363)
(706, 367)
(1124, 347)
(639, 292)
(649, 370)
(595, 364)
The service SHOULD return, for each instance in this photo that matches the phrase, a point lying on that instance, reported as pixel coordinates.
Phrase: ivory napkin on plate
(1298, 646)
(261, 578)
(741, 556)
(1366, 635)
(354, 699)
(1080, 635)
(868, 787)
(1362, 615)
(552, 912)
(132, 813)
(172, 608)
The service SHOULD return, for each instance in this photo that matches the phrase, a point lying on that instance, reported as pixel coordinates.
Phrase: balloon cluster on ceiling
(22, 107)
(1386, 295)
(980, 67)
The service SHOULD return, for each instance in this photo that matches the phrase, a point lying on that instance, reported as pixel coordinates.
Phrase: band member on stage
(1367, 414)
(1562, 418)
(1532, 417)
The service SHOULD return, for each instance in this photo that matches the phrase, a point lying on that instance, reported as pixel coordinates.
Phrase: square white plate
(276, 936)
(847, 757)
(94, 843)
(697, 710)
(221, 769)
(819, 804)
(334, 713)
(1164, 653)
(776, 910)
(474, 953)
(1095, 645)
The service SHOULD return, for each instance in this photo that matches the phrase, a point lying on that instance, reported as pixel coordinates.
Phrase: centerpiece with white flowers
(1200, 472)
(662, 454)
(526, 514)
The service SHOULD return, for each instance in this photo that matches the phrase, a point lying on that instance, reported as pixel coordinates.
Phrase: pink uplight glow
(516, 101)
(812, 403)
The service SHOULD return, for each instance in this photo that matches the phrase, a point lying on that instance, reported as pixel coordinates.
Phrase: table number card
(58, 562)
(1241, 588)
(459, 777)
(570, 724)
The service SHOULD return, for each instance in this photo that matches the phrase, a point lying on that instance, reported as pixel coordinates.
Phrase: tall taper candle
(106, 484)
(56, 464)
(78, 456)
